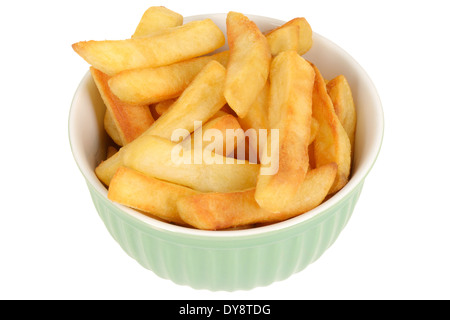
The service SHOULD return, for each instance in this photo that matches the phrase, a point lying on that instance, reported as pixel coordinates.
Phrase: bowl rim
(334, 201)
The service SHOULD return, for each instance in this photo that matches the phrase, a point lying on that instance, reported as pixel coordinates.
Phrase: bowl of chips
(216, 227)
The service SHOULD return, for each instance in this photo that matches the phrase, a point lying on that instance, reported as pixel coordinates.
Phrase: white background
(53, 244)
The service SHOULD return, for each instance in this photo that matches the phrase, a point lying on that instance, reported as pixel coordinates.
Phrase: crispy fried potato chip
(290, 109)
(162, 159)
(284, 39)
(305, 37)
(123, 122)
(152, 85)
(156, 19)
(249, 63)
(199, 102)
(168, 46)
(136, 190)
(332, 143)
(215, 211)
(341, 95)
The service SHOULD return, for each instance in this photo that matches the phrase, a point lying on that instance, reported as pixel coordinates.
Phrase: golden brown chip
(332, 143)
(215, 211)
(136, 190)
(248, 65)
(341, 95)
(169, 46)
(290, 109)
(284, 39)
(123, 122)
(155, 19)
(305, 37)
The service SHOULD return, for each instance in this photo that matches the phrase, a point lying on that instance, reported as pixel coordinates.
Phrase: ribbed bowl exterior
(224, 264)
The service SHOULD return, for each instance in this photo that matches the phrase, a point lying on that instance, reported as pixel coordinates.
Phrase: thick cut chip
(199, 102)
(136, 190)
(168, 46)
(290, 109)
(124, 122)
(332, 143)
(152, 85)
(214, 211)
(249, 63)
(341, 95)
(166, 160)
(305, 36)
(156, 19)
(283, 39)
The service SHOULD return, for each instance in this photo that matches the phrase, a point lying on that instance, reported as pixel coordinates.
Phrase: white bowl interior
(88, 138)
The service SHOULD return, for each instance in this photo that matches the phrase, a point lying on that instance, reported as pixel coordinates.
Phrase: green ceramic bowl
(239, 259)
